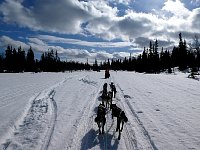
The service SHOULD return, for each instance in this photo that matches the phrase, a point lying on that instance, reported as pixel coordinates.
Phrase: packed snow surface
(56, 111)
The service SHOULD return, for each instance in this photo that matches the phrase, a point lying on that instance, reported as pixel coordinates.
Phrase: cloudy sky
(81, 29)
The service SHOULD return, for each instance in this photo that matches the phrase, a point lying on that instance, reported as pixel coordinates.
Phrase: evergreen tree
(150, 59)
(139, 64)
(182, 54)
(175, 57)
(162, 62)
(144, 62)
(156, 63)
(1, 63)
(95, 65)
(21, 59)
(30, 61)
(8, 59)
(15, 60)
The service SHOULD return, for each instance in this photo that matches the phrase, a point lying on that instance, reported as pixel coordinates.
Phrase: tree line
(183, 56)
(15, 61)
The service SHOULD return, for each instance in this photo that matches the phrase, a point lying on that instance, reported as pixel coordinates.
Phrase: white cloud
(37, 41)
(125, 2)
(66, 53)
(99, 19)
(14, 12)
(176, 7)
(5, 41)
(54, 39)
(65, 16)
(195, 17)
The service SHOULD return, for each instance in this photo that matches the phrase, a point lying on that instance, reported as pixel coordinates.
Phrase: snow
(57, 110)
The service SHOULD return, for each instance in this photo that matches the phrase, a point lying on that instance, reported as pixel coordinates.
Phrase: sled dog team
(116, 111)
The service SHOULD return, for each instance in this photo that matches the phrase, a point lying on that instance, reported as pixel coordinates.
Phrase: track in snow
(134, 134)
(51, 126)
(83, 128)
(37, 123)
(38, 126)
(86, 134)
(137, 124)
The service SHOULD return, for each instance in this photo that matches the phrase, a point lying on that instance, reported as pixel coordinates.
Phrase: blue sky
(102, 29)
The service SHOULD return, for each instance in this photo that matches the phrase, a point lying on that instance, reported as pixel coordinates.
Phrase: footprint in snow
(127, 96)
(139, 112)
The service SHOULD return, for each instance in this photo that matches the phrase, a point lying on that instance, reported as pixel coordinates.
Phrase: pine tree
(162, 63)
(21, 59)
(1, 63)
(30, 62)
(144, 62)
(156, 63)
(95, 65)
(8, 59)
(150, 58)
(182, 53)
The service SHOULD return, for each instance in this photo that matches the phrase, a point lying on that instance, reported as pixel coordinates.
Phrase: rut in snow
(86, 135)
(37, 123)
(52, 122)
(85, 122)
(139, 123)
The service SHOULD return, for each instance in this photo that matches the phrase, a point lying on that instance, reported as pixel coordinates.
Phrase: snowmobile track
(85, 122)
(51, 127)
(139, 123)
(38, 120)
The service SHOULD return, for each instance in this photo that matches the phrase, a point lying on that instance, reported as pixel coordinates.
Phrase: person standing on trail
(107, 74)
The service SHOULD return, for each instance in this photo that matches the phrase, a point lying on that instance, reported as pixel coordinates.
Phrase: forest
(151, 60)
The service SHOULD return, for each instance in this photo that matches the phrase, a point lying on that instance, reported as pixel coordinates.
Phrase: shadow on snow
(92, 138)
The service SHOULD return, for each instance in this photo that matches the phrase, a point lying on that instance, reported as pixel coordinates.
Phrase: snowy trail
(143, 139)
(83, 97)
(37, 122)
(163, 112)
(167, 111)
(135, 135)
(51, 126)
(17, 91)
(82, 133)
(85, 122)
(41, 125)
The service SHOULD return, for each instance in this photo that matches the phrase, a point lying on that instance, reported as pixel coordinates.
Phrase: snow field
(57, 110)
(167, 106)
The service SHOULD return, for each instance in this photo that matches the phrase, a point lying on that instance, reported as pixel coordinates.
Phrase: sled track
(54, 109)
(85, 122)
(9, 98)
(51, 127)
(143, 129)
(129, 137)
(37, 122)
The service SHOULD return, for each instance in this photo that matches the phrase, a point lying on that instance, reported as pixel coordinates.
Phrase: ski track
(52, 122)
(133, 139)
(35, 128)
(145, 132)
(37, 121)
(86, 128)
(8, 99)
(43, 113)
(85, 122)
(127, 136)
